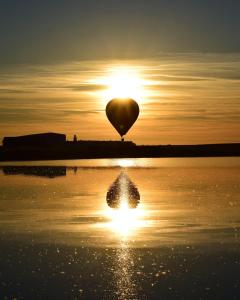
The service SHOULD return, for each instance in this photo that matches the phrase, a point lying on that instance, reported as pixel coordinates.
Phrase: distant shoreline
(114, 149)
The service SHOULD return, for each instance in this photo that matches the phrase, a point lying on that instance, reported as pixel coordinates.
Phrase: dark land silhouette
(42, 171)
(54, 146)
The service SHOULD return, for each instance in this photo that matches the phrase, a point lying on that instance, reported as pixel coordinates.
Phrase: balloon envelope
(122, 113)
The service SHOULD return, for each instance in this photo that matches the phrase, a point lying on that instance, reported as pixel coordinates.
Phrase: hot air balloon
(122, 113)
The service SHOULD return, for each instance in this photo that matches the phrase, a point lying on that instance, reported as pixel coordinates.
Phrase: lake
(120, 229)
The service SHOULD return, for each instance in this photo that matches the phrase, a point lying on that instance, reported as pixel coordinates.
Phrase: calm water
(120, 229)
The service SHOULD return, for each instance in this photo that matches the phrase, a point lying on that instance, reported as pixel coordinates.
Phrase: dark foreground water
(120, 229)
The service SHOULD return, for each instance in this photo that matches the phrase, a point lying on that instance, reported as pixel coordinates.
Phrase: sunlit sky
(61, 62)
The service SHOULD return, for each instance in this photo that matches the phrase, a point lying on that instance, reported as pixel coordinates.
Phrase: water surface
(120, 229)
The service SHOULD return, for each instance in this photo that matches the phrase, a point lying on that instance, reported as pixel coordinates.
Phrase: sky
(62, 61)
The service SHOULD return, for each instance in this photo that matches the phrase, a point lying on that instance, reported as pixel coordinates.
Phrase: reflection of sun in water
(124, 221)
(125, 162)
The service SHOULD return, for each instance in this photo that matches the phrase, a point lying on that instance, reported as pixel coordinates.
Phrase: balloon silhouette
(122, 113)
(123, 190)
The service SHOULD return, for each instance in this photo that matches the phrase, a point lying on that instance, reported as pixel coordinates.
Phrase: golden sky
(183, 98)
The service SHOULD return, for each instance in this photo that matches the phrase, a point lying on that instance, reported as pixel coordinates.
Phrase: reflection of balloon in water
(123, 191)
(122, 113)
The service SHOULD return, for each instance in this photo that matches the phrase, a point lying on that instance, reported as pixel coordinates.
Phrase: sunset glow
(124, 162)
(182, 99)
(124, 221)
(119, 149)
(124, 82)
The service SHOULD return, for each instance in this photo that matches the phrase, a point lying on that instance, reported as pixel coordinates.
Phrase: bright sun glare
(123, 82)
(123, 162)
(124, 221)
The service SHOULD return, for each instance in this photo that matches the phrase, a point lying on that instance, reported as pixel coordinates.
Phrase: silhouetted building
(35, 140)
(75, 138)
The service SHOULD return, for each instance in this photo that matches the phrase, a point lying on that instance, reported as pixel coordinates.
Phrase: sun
(122, 82)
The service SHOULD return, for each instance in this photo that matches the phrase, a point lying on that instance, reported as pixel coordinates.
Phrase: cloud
(14, 91)
(86, 87)
(175, 78)
(32, 115)
(183, 93)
